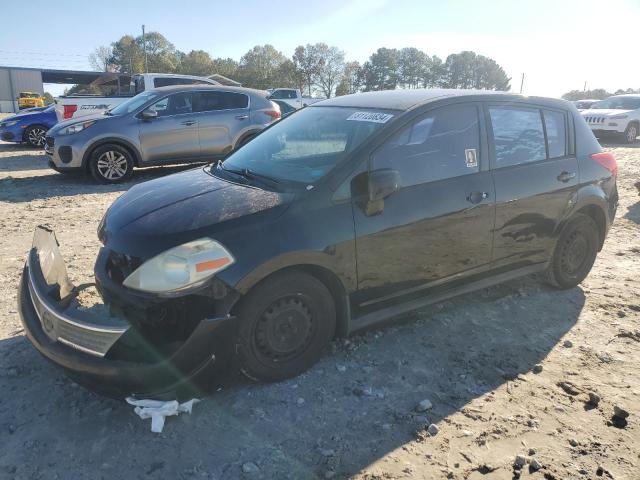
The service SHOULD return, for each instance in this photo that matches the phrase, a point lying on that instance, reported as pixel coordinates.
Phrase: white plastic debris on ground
(157, 410)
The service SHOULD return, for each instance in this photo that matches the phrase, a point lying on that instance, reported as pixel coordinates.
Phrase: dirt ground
(354, 414)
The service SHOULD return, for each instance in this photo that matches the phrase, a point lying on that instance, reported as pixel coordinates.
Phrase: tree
(227, 67)
(413, 64)
(307, 62)
(48, 98)
(469, 70)
(351, 79)
(331, 68)
(381, 71)
(197, 62)
(100, 59)
(128, 54)
(598, 94)
(259, 67)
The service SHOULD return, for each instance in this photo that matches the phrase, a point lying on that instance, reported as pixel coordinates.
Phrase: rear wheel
(285, 323)
(111, 164)
(575, 252)
(35, 135)
(631, 133)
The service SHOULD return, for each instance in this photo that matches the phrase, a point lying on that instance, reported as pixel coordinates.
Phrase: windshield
(307, 145)
(133, 103)
(618, 103)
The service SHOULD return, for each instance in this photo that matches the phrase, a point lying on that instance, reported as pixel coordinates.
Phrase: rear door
(438, 226)
(173, 134)
(536, 176)
(222, 116)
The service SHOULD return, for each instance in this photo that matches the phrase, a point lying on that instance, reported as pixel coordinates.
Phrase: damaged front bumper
(89, 346)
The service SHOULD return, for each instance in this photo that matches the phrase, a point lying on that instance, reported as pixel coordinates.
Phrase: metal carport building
(14, 80)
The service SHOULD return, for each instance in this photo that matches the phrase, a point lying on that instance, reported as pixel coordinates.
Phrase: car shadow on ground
(608, 143)
(352, 409)
(26, 189)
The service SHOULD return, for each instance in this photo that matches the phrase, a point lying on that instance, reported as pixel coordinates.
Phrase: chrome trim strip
(44, 303)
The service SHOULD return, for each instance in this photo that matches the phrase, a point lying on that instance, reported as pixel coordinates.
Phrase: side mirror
(149, 114)
(369, 189)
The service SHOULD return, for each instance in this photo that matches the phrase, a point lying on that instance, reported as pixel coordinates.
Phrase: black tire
(631, 133)
(246, 140)
(574, 253)
(110, 163)
(35, 135)
(285, 323)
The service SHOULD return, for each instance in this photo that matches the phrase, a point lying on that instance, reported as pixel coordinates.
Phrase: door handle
(566, 176)
(477, 197)
(242, 117)
(188, 123)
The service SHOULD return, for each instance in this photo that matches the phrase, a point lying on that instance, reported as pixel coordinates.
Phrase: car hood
(605, 111)
(181, 207)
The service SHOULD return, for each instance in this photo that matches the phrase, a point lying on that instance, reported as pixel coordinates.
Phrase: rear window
(169, 81)
(211, 101)
(518, 135)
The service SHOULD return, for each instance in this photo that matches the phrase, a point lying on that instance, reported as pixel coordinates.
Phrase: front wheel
(285, 323)
(575, 252)
(110, 164)
(631, 133)
(35, 135)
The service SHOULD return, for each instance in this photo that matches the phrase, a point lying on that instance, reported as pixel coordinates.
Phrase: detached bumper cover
(82, 347)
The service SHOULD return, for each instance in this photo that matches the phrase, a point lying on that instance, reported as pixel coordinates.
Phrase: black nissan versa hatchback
(346, 213)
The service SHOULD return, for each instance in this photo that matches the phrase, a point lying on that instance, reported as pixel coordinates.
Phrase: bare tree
(100, 59)
(331, 68)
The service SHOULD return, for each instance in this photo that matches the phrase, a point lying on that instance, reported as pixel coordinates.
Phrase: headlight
(77, 127)
(182, 267)
(618, 117)
(10, 124)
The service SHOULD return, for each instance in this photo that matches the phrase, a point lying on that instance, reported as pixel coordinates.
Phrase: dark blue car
(28, 126)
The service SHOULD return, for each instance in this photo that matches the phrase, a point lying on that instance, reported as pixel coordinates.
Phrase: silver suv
(179, 124)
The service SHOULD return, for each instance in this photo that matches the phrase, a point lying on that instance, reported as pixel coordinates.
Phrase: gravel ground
(354, 414)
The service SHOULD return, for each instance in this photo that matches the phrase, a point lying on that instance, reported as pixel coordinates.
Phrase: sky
(558, 44)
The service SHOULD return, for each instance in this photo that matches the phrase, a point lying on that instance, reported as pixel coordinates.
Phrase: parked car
(285, 108)
(292, 96)
(584, 104)
(28, 126)
(181, 124)
(30, 99)
(74, 106)
(351, 211)
(617, 116)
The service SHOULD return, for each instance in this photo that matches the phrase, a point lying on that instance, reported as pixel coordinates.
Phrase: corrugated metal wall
(16, 80)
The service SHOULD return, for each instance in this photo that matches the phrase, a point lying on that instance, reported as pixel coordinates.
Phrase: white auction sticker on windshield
(375, 117)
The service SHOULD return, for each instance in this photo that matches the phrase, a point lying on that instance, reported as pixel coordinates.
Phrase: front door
(438, 225)
(536, 177)
(173, 134)
(222, 116)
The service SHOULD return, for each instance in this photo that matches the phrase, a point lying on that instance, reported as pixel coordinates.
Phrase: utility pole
(585, 86)
(522, 83)
(144, 46)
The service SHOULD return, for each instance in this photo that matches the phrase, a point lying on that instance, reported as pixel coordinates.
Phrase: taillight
(607, 160)
(69, 110)
(273, 114)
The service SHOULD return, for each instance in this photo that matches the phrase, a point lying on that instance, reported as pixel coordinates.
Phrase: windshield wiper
(251, 175)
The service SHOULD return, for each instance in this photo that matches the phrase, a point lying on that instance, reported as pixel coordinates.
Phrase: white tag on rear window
(375, 117)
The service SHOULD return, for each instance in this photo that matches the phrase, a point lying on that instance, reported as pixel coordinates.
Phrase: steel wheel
(112, 165)
(284, 329)
(36, 136)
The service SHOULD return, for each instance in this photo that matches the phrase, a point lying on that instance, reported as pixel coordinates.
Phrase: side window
(443, 144)
(175, 104)
(210, 101)
(556, 125)
(291, 94)
(277, 95)
(518, 135)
